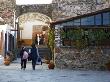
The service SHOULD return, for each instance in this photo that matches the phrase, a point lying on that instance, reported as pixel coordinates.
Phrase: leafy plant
(15, 52)
(83, 38)
(63, 34)
(51, 38)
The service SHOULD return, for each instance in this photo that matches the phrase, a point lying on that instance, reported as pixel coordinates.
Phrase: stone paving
(13, 73)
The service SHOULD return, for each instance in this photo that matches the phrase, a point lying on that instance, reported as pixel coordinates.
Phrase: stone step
(44, 52)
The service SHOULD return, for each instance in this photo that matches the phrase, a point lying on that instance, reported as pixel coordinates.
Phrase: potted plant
(51, 65)
(108, 65)
(7, 60)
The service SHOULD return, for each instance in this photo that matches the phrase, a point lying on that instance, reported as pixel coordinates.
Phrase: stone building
(41, 15)
(83, 42)
(68, 8)
(69, 57)
(59, 9)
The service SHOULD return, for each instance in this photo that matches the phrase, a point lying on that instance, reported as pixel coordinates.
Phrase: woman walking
(34, 56)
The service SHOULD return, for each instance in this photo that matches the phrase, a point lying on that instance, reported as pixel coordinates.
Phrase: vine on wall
(86, 37)
(51, 37)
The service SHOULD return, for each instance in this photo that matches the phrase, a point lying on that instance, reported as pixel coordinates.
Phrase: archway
(34, 28)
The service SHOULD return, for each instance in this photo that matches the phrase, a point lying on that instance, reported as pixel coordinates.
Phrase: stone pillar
(57, 36)
(58, 42)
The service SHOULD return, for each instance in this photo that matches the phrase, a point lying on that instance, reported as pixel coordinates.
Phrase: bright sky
(24, 2)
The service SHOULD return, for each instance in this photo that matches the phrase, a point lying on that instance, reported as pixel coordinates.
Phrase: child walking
(24, 58)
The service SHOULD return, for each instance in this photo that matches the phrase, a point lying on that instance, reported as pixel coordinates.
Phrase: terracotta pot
(108, 66)
(51, 65)
(6, 62)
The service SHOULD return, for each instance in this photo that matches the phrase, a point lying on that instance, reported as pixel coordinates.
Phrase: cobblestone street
(13, 73)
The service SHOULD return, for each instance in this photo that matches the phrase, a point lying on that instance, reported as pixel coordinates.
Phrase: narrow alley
(13, 73)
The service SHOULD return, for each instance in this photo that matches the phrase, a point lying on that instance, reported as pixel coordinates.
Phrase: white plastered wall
(26, 33)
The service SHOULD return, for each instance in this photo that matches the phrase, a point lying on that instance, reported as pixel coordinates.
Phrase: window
(84, 21)
(87, 20)
(90, 20)
(77, 22)
(70, 23)
(98, 19)
(106, 18)
(64, 24)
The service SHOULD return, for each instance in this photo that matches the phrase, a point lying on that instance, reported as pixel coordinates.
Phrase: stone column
(58, 42)
(57, 36)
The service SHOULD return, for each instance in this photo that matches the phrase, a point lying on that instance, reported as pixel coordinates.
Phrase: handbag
(39, 60)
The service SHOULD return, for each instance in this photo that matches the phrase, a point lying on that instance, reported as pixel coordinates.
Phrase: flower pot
(108, 66)
(51, 65)
(6, 62)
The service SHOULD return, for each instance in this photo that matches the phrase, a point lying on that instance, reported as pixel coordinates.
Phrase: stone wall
(45, 9)
(7, 8)
(59, 9)
(86, 59)
(69, 8)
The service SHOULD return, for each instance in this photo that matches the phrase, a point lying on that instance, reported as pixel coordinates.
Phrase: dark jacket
(21, 53)
(34, 54)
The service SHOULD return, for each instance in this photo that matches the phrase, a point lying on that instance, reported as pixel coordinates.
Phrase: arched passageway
(33, 28)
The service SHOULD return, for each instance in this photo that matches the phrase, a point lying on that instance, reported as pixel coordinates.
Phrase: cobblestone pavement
(13, 73)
